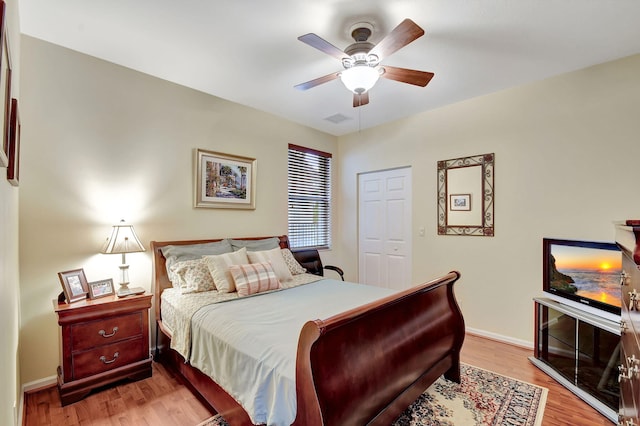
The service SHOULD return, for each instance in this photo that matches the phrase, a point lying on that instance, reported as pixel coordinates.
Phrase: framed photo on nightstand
(74, 285)
(101, 288)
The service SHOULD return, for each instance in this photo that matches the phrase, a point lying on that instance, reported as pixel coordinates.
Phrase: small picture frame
(101, 288)
(74, 285)
(460, 202)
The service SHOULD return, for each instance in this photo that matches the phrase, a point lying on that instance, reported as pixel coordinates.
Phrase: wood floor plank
(162, 400)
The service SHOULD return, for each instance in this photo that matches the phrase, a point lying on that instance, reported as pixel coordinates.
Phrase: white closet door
(384, 228)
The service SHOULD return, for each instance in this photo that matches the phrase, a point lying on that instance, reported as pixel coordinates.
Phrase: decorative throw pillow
(179, 253)
(294, 267)
(193, 276)
(273, 256)
(219, 268)
(254, 278)
(256, 245)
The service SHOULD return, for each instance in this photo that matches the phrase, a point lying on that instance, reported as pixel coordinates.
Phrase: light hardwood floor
(163, 400)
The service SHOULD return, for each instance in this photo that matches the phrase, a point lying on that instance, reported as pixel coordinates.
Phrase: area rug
(482, 398)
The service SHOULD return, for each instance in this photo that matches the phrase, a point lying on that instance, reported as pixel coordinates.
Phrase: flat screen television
(584, 274)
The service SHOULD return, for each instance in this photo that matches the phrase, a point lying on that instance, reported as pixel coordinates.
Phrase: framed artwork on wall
(460, 202)
(459, 181)
(74, 284)
(13, 168)
(5, 88)
(224, 181)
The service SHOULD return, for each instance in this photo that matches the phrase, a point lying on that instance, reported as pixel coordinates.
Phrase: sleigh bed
(364, 365)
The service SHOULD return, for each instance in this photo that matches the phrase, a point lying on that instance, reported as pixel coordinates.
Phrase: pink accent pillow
(254, 278)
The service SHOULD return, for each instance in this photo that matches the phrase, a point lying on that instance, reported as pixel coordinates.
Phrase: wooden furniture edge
(368, 338)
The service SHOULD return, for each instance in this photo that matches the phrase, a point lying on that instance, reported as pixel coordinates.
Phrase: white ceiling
(247, 51)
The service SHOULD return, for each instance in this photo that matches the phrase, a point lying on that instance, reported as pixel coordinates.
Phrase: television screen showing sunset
(577, 258)
(589, 272)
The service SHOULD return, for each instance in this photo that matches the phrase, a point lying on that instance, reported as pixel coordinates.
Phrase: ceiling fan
(361, 60)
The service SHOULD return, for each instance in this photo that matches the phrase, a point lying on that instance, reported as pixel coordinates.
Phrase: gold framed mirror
(466, 196)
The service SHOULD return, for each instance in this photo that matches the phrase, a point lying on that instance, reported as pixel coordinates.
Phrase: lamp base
(129, 291)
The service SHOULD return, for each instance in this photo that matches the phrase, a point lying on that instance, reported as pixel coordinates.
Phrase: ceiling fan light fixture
(359, 78)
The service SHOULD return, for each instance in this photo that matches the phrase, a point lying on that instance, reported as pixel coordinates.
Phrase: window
(309, 197)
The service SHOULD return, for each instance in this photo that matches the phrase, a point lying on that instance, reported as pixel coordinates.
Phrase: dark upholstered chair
(310, 260)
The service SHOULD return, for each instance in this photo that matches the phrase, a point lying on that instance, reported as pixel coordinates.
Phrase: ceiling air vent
(337, 118)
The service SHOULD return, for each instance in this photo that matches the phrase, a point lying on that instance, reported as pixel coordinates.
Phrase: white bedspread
(253, 354)
(177, 309)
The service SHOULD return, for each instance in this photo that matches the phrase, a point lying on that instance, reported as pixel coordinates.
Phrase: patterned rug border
(539, 415)
(544, 392)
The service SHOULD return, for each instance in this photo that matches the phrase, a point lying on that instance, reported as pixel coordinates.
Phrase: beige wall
(101, 143)
(9, 274)
(567, 154)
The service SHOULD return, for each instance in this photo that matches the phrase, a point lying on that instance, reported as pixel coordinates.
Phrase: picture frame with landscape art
(224, 181)
(74, 285)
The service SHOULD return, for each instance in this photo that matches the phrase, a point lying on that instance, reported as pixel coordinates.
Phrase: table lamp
(123, 240)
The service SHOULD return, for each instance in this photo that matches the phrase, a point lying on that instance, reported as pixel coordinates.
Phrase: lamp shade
(123, 239)
(359, 78)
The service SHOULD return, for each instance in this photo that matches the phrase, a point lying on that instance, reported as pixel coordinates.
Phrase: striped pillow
(254, 278)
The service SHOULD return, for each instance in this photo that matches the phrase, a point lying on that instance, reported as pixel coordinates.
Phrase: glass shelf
(581, 351)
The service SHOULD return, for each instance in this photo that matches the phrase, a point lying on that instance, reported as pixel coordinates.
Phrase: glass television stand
(581, 351)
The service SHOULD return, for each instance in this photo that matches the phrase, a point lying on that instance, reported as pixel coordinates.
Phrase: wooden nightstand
(102, 341)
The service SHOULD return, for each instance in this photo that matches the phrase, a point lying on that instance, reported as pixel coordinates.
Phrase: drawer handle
(624, 278)
(105, 335)
(104, 358)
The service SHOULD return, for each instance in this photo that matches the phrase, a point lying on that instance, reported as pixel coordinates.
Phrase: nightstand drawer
(107, 357)
(97, 333)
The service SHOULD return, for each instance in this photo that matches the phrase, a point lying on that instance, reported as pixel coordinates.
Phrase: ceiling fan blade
(404, 75)
(323, 45)
(360, 99)
(403, 34)
(317, 81)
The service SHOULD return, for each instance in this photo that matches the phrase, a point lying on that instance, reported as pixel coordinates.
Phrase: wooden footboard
(365, 366)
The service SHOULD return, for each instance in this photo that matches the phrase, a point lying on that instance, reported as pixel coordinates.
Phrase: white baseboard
(40, 383)
(500, 338)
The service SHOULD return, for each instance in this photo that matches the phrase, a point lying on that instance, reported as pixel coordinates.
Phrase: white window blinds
(309, 198)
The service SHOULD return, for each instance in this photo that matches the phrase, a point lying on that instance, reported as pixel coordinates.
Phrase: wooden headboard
(159, 271)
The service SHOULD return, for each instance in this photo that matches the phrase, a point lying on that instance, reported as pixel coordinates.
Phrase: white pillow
(193, 276)
(273, 256)
(219, 268)
(254, 278)
(292, 263)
